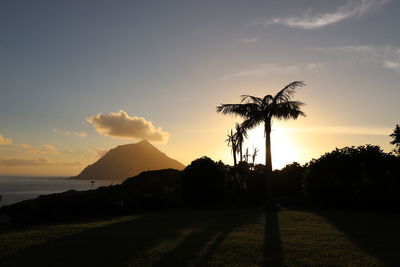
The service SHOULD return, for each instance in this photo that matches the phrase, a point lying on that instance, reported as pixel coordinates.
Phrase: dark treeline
(361, 177)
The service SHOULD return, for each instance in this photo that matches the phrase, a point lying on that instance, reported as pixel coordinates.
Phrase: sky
(78, 78)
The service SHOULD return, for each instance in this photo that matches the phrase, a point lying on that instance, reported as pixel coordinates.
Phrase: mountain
(128, 160)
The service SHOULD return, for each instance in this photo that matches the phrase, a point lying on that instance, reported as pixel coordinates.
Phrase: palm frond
(251, 99)
(288, 110)
(287, 92)
(242, 110)
(250, 123)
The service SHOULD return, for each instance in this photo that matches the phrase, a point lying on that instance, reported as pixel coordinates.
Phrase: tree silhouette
(231, 140)
(240, 135)
(254, 155)
(396, 139)
(246, 156)
(255, 111)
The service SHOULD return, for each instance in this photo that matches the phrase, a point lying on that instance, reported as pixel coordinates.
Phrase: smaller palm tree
(232, 142)
(240, 135)
(246, 156)
(254, 155)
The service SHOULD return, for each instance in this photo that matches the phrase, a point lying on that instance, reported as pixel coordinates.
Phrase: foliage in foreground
(203, 182)
(354, 177)
(148, 191)
(396, 139)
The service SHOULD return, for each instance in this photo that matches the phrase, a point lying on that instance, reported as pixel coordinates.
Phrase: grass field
(235, 237)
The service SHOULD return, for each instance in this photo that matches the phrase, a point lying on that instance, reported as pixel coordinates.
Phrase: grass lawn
(233, 237)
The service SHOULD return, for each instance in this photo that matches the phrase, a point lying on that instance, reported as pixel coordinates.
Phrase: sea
(17, 188)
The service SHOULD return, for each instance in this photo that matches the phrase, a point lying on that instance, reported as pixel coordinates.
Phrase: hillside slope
(128, 160)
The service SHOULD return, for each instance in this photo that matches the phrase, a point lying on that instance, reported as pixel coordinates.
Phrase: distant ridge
(128, 160)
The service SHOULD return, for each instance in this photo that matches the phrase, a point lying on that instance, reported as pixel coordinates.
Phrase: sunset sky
(80, 77)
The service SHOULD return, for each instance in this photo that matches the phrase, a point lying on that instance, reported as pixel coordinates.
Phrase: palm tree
(246, 156)
(231, 140)
(256, 110)
(254, 155)
(240, 135)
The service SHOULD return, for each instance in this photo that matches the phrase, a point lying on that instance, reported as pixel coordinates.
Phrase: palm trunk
(234, 155)
(241, 153)
(268, 165)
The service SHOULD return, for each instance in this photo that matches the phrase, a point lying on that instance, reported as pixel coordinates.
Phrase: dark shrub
(203, 182)
(354, 177)
(288, 181)
(256, 185)
(152, 189)
(147, 191)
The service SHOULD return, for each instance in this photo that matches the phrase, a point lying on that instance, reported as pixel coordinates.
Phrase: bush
(147, 191)
(288, 181)
(203, 182)
(354, 177)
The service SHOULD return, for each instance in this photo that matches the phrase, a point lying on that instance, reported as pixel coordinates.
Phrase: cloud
(360, 50)
(316, 21)
(45, 149)
(392, 65)
(383, 56)
(74, 163)
(249, 40)
(66, 132)
(121, 125)
(36, 162)
(261, 70)
(314, 67)
(343, 130)
(265, 69)
(24, 162)
(5, 141)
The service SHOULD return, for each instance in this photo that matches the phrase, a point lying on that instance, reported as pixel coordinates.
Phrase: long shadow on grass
(377, 233)
(272, 240)
(121, 243)
(199, 248)
(111, 245)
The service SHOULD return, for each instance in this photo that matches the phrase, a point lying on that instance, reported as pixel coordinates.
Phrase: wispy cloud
(45, 149)
(121, 125)
(349, 49)
(392, 65)
(383, 56)
(5, 141)
(314, 67)
(315, 21)
(342, 130)
(66, 132)
(264, 69)
(249, 40)
(36, 162)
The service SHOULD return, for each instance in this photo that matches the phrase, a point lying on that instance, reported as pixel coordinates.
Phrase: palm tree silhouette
(246, 156)
(240, 135)
(254, 155)
(255, 111)
(231, 140)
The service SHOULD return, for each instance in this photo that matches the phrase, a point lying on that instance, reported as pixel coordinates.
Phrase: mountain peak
(144, 142)
(129, 160)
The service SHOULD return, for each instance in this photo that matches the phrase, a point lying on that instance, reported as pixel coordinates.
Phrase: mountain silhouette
(128, 160)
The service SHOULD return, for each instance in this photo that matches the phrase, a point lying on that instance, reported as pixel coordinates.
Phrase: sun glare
(283, 149)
